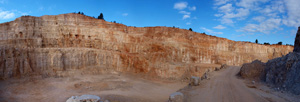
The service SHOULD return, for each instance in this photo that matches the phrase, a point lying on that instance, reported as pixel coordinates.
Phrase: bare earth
(123, 88)
(225, 86)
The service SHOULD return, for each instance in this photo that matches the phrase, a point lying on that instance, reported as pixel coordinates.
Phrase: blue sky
(240, 20)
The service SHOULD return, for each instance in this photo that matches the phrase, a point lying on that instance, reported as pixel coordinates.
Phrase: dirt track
(224, 86)
(124, 88)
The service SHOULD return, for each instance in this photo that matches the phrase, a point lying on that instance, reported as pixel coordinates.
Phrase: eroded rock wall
(57, 45)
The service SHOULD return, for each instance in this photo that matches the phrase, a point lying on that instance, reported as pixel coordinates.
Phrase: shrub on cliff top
(101, 16)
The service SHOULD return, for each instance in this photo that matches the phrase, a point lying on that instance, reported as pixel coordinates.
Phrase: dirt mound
(253, 70)
(283, 73)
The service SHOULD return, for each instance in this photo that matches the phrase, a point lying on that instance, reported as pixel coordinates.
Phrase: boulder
(253, 70)
(194, 81)
(223, 66)
(84, 98)
(176, 97)
(205, 76)
(297, 41)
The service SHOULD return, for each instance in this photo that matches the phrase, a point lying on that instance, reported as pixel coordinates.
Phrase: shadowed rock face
(283, 72)
(71, 44)
(297, 41)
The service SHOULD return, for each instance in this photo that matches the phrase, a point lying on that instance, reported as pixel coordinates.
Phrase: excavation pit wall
(66, 44)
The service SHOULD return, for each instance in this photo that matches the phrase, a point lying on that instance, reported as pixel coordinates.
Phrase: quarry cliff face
(67, 44)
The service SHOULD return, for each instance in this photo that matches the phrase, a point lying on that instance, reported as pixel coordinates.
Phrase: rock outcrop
(297, 41)
(195, 81)
(253, 70)
(281, 73)
(70, 44)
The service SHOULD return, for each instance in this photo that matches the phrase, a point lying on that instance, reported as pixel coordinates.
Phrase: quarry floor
(226, 86)
(223, 86)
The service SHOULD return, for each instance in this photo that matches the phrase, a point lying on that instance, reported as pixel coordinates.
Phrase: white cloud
(226, 21)
(250, 4)
(218, 15)
(192, 8)
(6, 14)
(125, 14)
(241, 12)
(259, 18)
(211, 31)
(185, 13)
(226, 8)
(186, 16)
(227, 12)
(219, 27)
(180, 5)
(188, 23)
(293, 13)
(264, 27)
(221, 2)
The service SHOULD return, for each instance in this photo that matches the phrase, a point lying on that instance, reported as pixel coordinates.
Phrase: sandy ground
(225, 86)
(123, 88)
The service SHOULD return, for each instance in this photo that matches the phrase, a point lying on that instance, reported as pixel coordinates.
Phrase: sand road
(225, 86)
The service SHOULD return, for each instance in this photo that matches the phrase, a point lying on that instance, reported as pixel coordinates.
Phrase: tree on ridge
(101, 16)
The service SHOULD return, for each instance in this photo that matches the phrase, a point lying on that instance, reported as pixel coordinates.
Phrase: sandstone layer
(68, 44)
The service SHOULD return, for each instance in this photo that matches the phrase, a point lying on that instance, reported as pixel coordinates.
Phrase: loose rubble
(84, 98)
(176, 97)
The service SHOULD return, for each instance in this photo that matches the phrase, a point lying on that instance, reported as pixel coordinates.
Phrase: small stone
(176, 97)
(253, 82)
(194, 81)
(205, 76)
(84, 98)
